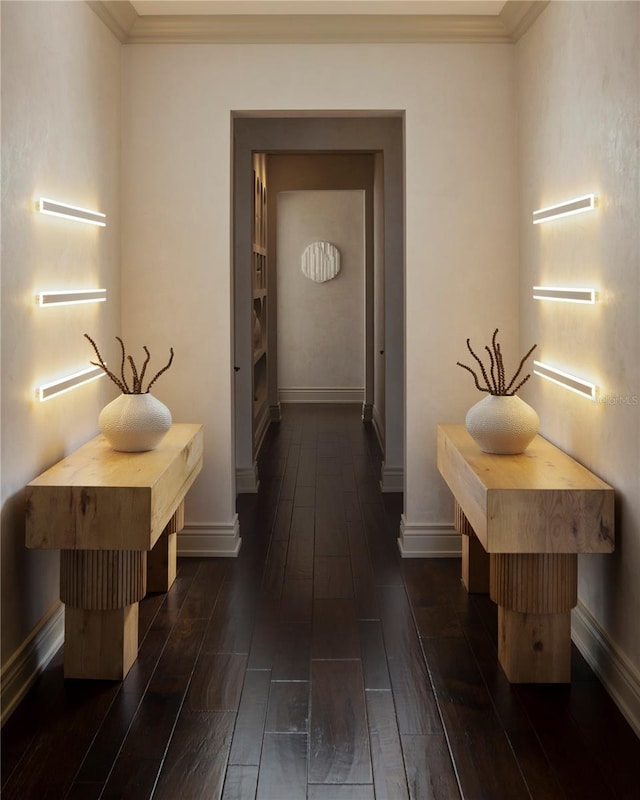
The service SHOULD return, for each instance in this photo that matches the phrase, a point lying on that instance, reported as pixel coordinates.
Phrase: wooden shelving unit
(260, 302)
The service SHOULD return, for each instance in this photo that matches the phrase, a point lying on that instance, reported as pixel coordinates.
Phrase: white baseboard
(247, 480)
(392, 478)
(619, 677)
(428, 541)
(214, 540)
(321, 395)
(30, 659)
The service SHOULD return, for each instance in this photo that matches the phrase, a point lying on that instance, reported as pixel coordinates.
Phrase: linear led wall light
(565, 295)
(566, 209)
(57, 209)
(577, 385)
(62, 385)
(71, 297)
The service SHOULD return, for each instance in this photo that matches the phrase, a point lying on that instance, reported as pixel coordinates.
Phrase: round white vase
(501, 424)
(133, 423)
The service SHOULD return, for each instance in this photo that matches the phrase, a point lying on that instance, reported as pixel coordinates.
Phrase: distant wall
(321, 328)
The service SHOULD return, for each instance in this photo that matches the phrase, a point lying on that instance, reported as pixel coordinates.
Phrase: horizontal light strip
(49, 390)
(565, 295)
(71, 297)
(577, 385)
(566, 209)
(57, 209)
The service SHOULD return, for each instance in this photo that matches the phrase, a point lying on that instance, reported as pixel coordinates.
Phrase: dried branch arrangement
(493, 379)
(137, 377)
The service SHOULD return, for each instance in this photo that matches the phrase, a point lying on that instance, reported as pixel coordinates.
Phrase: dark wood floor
(318, 665)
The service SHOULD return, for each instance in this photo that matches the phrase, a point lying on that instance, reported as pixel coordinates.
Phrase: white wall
(461, 267)
(579, 113)
(61, 139)
(321, 325)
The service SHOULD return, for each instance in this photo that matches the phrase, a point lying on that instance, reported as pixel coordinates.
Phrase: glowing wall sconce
(57, 209)
(589, 296)
(71, 297)
(62, 385)
(566, 209)
(577, 385)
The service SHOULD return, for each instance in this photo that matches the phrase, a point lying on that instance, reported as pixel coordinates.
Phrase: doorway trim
(321, 132)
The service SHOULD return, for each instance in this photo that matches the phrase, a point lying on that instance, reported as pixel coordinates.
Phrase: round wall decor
(321, 261)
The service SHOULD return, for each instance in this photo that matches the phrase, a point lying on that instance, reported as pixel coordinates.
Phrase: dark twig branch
(122, 363)
(497, 384)
(492, 371)
(501, 380)
(498, 357)
(101, 363)
(138, 378)
(164, 369)
(475, 377)
(482, 369)
(144, 366)
(137, 387)
(522, 382)
(519, 370)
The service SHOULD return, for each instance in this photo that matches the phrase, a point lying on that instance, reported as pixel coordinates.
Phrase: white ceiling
(213, 7)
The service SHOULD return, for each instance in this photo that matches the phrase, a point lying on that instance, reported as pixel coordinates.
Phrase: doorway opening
(326, 152)
(320, 330)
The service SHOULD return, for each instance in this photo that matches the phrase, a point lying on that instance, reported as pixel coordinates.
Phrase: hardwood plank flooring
(386, 752)
(288, 710)
(373, 655)
(195, 763)
(240, 783)
(339, 746)
(318, 666)
(283, 767)
(247, 738)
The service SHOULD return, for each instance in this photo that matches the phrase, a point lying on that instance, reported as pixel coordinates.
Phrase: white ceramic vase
(504, 425)
(133, 423)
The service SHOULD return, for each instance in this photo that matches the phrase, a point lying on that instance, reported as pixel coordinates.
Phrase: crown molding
(317, 29)
(118, 15)
(517, 16)
(129, 27)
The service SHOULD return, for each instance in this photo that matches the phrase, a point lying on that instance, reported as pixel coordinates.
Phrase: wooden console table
(532, 513)
(115, 518)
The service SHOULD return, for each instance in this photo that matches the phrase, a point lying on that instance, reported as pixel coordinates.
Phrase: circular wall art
(321, 261)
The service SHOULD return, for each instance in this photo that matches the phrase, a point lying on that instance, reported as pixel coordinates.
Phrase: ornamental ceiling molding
(515, 19)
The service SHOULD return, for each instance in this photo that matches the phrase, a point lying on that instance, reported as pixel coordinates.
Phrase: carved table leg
(161, 560)
(101, 590)
(475, 559)
(535, 595)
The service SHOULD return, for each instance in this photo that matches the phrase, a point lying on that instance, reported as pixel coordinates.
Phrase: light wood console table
(115, 518)
(532, 514)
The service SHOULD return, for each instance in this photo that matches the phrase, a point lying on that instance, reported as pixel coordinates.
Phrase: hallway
(318, 665)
